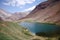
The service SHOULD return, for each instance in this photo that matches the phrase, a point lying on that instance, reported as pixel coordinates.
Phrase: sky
(19, 5)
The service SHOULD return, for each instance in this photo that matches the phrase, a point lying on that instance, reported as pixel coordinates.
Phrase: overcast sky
(19, 5)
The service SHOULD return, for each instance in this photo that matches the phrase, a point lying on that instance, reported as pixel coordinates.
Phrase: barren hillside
(48, 11)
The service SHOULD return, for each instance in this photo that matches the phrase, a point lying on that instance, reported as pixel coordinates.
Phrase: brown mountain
(18, 15)
(6, 16)
(48, 11)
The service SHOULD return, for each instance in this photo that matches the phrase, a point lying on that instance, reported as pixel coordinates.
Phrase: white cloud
(30, 9)
(17, 2)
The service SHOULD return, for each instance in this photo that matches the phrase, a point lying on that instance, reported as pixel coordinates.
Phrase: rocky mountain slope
(18, 15)
(48, 11)
(6, 16)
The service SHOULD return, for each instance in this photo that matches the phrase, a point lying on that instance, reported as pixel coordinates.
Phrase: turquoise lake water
(41, 27)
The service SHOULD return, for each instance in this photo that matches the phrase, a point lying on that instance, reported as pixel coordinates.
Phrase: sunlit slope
(46, 12)
(12, 31)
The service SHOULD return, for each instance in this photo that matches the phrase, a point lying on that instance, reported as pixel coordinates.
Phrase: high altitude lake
(36, 27)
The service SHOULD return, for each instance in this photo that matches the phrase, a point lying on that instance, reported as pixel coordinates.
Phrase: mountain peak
(48, 11)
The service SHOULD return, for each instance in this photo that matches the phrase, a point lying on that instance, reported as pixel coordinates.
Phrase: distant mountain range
(47, 12)
(6, 16)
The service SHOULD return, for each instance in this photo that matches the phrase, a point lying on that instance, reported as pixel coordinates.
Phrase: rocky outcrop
(48, 11)
(1, 19)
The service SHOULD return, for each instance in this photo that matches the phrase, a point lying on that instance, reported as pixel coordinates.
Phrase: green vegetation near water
(13, 31)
